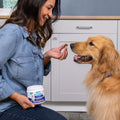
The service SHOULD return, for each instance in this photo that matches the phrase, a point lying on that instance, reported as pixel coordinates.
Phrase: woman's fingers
(63, 54)
(57, 53)
(62, 46)
(23, 101)
(29, 103)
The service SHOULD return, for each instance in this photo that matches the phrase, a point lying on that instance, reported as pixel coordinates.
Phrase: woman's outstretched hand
(57, 53)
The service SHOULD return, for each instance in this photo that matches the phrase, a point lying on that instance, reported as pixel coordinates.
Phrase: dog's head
(96, 50)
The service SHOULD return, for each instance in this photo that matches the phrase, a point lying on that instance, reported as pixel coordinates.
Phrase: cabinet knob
(84, 27)
(54, 38)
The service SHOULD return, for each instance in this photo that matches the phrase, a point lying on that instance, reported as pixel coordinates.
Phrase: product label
(36, 97)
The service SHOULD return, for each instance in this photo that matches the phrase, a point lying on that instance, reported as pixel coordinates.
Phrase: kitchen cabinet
(119, 36)
(2, 21)
(67, 76)
(47, 79)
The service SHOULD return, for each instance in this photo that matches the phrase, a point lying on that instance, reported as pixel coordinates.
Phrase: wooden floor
(76, 116)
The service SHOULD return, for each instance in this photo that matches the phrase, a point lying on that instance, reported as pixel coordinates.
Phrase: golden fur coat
(103, 80)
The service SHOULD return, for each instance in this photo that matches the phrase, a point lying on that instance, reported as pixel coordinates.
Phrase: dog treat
(66, 45)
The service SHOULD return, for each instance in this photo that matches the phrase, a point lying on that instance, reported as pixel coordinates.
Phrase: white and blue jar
(35, 94)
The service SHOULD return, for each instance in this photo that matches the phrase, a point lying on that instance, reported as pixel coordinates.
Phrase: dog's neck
(109, 75)
(95, 77)
(99, 72)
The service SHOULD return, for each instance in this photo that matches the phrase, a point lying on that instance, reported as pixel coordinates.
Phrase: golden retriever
(103, 80)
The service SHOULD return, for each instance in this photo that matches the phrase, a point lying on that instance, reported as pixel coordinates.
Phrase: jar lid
(35, 88)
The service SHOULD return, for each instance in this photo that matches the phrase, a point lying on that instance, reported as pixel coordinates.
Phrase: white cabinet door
(2, 21)
(67, 76)
(47, 81)
(119, 35)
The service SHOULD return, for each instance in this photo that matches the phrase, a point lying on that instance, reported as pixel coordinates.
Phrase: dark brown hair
(26, 13)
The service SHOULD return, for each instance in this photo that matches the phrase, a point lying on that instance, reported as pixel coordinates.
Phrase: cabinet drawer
(85, 26)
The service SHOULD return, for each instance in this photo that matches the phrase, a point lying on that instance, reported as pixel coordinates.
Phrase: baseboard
(71, 107)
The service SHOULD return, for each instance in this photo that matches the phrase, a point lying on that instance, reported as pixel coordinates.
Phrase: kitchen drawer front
(85, 26)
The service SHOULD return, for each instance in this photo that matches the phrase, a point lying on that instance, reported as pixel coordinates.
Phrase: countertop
(79, 17)
(91, 17)
(4, 13)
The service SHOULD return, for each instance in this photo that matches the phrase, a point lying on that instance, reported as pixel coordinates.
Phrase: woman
(22, 63)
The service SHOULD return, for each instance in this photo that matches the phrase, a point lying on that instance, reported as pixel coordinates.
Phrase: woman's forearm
(14, 96)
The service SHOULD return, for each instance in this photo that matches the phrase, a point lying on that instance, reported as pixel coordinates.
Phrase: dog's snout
(72, 45)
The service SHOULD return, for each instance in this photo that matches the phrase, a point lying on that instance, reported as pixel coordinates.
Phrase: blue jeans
(37, 113)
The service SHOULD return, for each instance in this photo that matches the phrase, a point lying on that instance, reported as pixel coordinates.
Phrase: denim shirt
(21, 63)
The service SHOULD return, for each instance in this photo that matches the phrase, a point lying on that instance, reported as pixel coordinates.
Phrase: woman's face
(46, 11)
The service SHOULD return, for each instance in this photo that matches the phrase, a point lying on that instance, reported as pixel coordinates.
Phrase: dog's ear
(107, 59)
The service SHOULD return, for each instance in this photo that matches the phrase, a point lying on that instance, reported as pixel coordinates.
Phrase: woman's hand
(22, 100)
(56, 52)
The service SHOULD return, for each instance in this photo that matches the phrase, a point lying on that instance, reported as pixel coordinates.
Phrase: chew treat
(66, 45)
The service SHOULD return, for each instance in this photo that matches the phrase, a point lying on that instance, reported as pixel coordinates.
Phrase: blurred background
(81, 7)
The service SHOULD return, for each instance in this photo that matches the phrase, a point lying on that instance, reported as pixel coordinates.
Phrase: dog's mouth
(80, 59)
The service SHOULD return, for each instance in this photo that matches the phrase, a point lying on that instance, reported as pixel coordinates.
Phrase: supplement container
(35, 94)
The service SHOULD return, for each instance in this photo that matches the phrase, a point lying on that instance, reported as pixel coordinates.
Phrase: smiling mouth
(80, 59)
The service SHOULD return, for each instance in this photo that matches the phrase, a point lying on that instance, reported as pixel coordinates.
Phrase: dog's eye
(91, 44)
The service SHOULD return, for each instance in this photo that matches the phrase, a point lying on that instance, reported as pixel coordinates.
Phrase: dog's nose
(72, 45)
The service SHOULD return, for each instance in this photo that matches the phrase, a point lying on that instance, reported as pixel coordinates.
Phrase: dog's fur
(103, 80)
